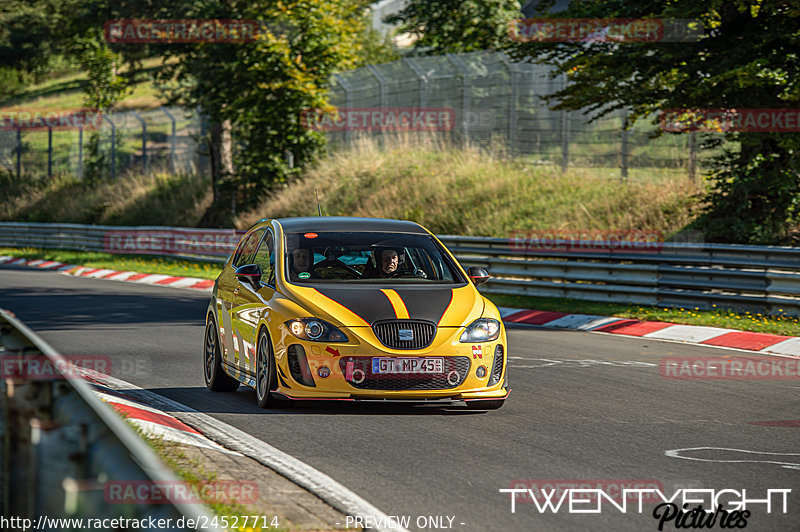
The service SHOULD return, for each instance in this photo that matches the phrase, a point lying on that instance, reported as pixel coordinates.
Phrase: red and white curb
(38, 263)
(772, 344)
(193, 283)
(151, 421)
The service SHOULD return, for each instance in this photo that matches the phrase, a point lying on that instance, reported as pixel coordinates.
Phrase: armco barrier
(762, 279)
(62, 445)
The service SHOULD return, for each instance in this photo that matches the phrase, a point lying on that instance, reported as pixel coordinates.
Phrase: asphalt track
(584, 406)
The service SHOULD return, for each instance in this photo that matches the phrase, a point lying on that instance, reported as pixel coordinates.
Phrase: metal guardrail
(760, 279)
(62, 445)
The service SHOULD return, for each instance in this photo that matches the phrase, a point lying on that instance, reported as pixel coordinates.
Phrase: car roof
(347, 223)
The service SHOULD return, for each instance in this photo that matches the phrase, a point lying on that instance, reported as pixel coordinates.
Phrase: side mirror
(249, 273)
(478, 275)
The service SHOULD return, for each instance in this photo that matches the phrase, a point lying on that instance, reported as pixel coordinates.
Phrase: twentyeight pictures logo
(181, 31)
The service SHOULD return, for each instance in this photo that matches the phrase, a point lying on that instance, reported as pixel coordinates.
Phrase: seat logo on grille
(405, 335)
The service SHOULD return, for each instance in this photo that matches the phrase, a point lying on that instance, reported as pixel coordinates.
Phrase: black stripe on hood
(424, 303)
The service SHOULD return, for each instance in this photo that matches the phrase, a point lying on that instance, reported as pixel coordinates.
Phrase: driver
(389, 262)
(301, 262)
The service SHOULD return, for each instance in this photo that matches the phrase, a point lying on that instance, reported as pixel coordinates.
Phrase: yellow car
(353, 309)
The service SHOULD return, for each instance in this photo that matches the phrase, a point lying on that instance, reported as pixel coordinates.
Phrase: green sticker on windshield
(304, 275)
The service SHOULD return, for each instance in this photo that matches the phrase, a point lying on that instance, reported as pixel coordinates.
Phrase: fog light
(481, 372)
(453, 378)
(324, 372)
(358, 376)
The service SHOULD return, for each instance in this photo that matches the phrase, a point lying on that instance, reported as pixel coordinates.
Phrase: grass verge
(136, 263)
(192, 472)
(717, 317)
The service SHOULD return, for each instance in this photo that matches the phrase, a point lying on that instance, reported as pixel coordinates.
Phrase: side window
(247, 249)
(265, 258)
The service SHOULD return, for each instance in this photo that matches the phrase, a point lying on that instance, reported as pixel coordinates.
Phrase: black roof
(346, 223)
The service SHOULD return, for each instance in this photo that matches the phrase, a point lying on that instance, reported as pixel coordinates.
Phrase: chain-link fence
(481, 99)
(496, 104)
(164, 139)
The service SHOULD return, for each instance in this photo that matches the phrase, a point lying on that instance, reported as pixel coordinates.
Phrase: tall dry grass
(472, 192)
(132, 199)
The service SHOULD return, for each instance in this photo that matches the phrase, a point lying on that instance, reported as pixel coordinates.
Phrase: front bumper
(350, 377)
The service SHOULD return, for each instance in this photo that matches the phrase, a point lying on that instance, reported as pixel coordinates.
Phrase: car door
(227, 293)
(249, 303)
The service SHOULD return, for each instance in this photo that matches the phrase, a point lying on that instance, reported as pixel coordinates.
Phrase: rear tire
(266, 379)
(215, 377)
(492, 404)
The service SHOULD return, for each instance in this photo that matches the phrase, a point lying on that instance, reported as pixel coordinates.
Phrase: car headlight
(315, 330)
(481, 330)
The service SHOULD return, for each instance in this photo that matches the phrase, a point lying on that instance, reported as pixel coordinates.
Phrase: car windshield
(368, 257)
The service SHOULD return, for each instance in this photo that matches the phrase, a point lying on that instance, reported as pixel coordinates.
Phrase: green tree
(255, 93)
(442, 26)
(748, 57)
(104, 89)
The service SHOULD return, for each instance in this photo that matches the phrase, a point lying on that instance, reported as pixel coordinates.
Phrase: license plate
(407, 365)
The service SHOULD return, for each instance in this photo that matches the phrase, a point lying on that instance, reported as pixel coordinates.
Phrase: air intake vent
(497, 367)
(405, 334)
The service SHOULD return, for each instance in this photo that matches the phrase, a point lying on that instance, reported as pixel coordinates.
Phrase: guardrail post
(172, 140)
(144, 140)
(113, 146)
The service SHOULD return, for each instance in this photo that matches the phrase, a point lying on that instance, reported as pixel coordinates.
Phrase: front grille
(497, 367)
(388, 332)
(405, 381)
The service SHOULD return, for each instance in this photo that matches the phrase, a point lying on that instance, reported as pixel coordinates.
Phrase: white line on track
(302, 474)
(749, 456)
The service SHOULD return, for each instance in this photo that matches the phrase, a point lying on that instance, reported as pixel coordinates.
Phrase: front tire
(215, 377)
(266, 379)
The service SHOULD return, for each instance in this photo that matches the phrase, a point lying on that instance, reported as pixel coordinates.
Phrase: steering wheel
(418, 272)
